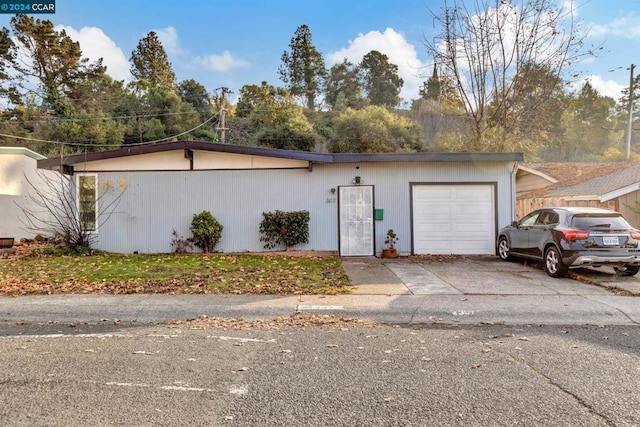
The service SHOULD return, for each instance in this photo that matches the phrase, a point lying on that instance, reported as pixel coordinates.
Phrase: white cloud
(169, 38)
(220, 63)
(95, 44)
(627, 26)
(604, 87)
(396, 47)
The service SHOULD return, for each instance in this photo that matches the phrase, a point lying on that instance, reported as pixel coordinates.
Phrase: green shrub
(206, 231)
(288, 228)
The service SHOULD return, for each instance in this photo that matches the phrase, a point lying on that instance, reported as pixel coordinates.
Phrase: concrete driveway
(482, 275)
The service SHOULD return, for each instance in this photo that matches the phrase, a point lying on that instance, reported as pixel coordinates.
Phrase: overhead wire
(79, 119)
(79, 144)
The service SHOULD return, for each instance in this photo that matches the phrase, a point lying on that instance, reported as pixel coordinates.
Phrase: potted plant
(390, 251)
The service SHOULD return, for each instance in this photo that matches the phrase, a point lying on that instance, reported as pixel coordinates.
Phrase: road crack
(579, 400)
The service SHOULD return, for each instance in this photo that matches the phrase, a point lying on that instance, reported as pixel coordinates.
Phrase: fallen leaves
(293, 321)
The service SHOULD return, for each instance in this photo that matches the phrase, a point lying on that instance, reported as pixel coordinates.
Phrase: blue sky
(234, 43)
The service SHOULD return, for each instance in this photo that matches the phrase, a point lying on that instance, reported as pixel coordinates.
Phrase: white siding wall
(18, 167)
(155, 203)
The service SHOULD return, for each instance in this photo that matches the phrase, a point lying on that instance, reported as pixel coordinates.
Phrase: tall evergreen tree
(7, 53)
(381, 81)
(55, 61)
(303, 68)
(431, 88)
(150, 63)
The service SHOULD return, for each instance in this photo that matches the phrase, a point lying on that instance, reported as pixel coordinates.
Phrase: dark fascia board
(188, 145)
(56, 163)
(426, 157)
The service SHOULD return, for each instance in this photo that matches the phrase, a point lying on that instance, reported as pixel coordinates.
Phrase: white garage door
(453, 219)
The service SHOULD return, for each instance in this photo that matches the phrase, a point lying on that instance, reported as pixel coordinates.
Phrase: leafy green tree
(242, 131)
(156, 113)
(253, 95)
(588, 128)
(194, 93)
(381, 81)
(374, 129)
(175, 115)
(287, 139)
(303, 68)
(496, 140)
(99, 93)
(533, 102)
(278, 109)
(150, 63)
(343, 87)
(275, 119)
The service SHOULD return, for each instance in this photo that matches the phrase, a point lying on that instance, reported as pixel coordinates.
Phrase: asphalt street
(339, 375)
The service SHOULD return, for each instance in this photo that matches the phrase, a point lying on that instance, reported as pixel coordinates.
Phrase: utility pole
(223, 130)
(630, 124)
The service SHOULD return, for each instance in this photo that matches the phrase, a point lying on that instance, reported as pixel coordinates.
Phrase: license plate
(611, 240)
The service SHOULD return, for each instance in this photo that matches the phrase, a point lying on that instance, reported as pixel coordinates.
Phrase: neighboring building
(609, 185)
(438, 203)
(18, 168)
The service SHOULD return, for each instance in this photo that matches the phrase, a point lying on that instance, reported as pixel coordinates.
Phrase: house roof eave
(23, 151)
(620, 192)
(537, 173)
(57, 163)
(426, 157)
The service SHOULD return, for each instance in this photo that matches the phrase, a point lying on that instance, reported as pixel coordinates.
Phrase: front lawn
(171, 273)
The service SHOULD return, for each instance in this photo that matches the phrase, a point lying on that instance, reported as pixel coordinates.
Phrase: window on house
(87, 191)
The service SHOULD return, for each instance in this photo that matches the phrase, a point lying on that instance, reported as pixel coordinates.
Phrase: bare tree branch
(484, 46)
(56, 214)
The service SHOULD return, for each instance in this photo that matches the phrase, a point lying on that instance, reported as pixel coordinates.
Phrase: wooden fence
(524, 206)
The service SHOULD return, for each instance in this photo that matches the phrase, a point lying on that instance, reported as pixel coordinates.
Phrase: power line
(78, 144)
(81, 119)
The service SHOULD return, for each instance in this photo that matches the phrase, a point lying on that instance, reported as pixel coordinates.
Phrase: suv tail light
(577, 234)
(635, 234)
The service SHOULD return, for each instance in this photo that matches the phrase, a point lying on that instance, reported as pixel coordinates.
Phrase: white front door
(355, 205)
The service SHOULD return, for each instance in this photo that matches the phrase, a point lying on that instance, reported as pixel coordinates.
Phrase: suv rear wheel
(553, 264)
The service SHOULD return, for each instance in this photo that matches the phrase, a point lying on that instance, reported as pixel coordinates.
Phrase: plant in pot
(390, 251)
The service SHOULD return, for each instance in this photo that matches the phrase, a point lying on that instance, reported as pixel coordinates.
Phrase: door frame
(373, 225)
